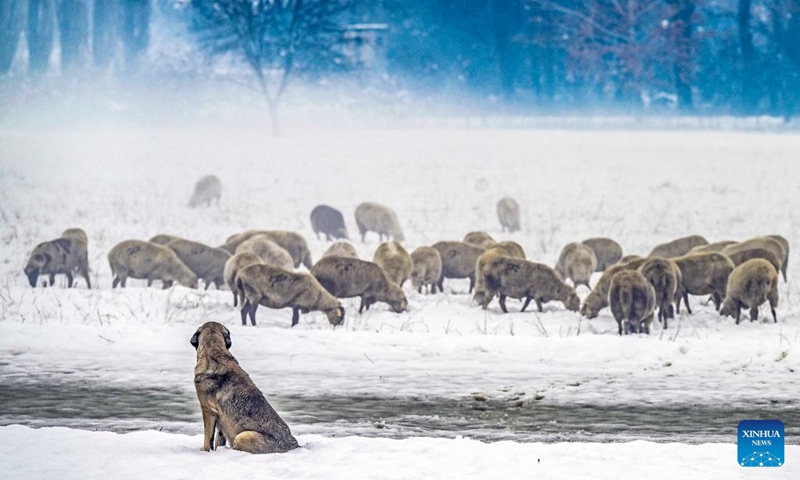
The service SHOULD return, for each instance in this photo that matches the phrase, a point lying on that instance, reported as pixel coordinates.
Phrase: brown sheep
(508, 214)
(426, 269)
(712, 247)
(576, 262)
(480, 239)
(749, 285)
(629, 258)
(145, 260)
(632, 301)
(395, 261)
(768, 243)
(206, 189)
(703, 274)
(341, 249)
(517, 278)
(208, 263)
(292, 242)
(351, 277)
(66, 255)
(277, 288)
(606, 251)
(598, 297)
(232, 267)
(665, 277)
(507, 249)
(738, 257)
(270, 252)
(458, 261)
(163, 239)
(785, 260)
(678, 247)
(374, 217)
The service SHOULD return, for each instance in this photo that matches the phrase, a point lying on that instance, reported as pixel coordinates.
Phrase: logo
(761, 443)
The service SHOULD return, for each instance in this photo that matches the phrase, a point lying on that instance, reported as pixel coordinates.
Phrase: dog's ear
(195, 341)
(227, 337)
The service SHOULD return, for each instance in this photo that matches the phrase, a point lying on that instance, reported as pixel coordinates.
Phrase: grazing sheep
(163, 239)
(607, 251)
(66, 255)
(341, 249)
(703, 274)
(374, 217)
(508, 214)
(768, 243)
(741, 256)
(785, 260)
(665, 277)
(395, 261)
(576, 262)
(517, 278)
(278, 288)
(207, 263)
(678, 247)
(506, 249)
(480, 239)
(632, 301)
(145, 260)
(329, 221)
(292, 242)
(426, 269)
(629, 258)
(712, 247)
(270, 252)
(458, 261)
(206, 189)
(598, 297)
(749, 285)
(351, 277)
(232, 267)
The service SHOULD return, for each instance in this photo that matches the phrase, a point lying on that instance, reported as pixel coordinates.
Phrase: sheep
(703, 274)
(768, 243)
(278, 288)
(598, 297)
(480, 239)
(507, 249)
(395, 261)
(426, 269)
(665, 277)
(65, 255)
(632, 301)
(351, 277)
(712, 247)
(206, 189)
(138, 259)
(374, 217)
(508, 214)
(749, 285)
(678, 247)
(341, 249)
(292, 242)
(329, 221)
(607, 251)
(785, 260)
(208, 263)
(232, 267)
(628, 259)
(738, 257)
(576, 262)
(458, 261)
(270, 252)
(517, 278)
(163, 239)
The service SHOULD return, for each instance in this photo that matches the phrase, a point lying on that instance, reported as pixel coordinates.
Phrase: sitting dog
(230, 401)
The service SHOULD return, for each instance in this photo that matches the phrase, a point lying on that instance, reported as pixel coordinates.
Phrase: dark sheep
(66, 255)
(328, 220)
(665, 277)
(632, 301)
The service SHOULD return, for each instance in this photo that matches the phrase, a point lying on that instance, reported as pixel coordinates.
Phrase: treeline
(708, 56)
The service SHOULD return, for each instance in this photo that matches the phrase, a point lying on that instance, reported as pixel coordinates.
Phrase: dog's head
(209, 333)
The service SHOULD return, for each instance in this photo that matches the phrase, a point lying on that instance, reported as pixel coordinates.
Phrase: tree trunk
(41, 22)
(749, 95)
(73, 26)
(683, 63)
(104, 32)
(135, 31)
(12, 22)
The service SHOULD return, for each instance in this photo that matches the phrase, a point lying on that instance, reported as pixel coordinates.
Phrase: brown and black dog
(231, 403)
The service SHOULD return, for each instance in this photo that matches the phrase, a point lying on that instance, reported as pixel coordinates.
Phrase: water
(124, 409)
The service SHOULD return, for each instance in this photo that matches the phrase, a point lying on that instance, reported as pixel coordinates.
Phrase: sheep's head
(396, 298)
(572, 302)
(335, 316)
(728, 309)
(39, 260)
(591, 307)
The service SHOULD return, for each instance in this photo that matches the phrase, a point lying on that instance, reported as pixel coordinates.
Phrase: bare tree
(73, 29)
(41, 25)
(105, 20)
(277, 39)
(12, 23)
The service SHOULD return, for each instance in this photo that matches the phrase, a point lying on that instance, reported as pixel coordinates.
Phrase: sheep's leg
(70, 279)
(738, 312)
(753, 314)
(686, 301)
(52, 279)
(235, 299)
(253, 308)
(717, 300)
(124, 282)
(85, 274)
(619, 326)
(471, 283)
(527, 302)
(361, 306)
(503, 303)
(773, 301)
(295, 316)
(441, 285)
(115, 282)
(245, 309)
(327, 237)
(419, 289)
(149, 282)
(539, 305)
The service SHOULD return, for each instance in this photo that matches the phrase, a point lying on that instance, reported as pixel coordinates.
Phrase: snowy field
(60, 346)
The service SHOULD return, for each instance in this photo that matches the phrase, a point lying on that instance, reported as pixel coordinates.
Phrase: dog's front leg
(209, 425)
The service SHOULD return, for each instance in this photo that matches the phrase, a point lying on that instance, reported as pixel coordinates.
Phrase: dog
(231, 403)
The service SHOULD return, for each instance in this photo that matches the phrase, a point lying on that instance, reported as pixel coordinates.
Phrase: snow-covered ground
(640, 188)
